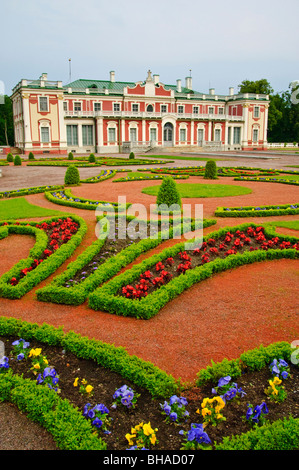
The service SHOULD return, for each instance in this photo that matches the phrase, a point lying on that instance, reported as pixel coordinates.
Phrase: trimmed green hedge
(267, 180)
(67, 425)
(142, 373)
(256, 211)
(66, 198)
(56, 292)
(44, 269)
(28, 191)
(106, 298)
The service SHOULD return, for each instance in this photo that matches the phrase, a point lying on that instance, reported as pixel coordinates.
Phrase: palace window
(163, 108)
(97, 106)
(87, 135)
(237, 135)
(217, 135)
(255, 135)
(111, 134)
(153, 135)
(211, 110)
(43, 104)
(220, 110)
(72, 134)
(77, 106)
(135, 108)
(65, 106)
(180, 109)
(150, 108)
(133, 135)
(45, 134)
(182, 135)
(256, 112)
(195, 109)
(116, 107)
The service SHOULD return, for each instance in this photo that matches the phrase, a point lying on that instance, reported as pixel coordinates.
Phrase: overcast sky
(222, 42)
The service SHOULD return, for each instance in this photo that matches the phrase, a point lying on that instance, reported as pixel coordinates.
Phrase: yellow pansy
(35, 352)
(129, 438)
(89, 388)
(153, 439)
(76, 382)
(147, 429)
(277, 381)
(36, 366)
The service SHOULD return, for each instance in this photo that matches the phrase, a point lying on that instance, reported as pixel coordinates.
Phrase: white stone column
(192, 132)
(245, 128)
(100, 140)
(27, 126)
(265, 124)
(62, 126)
(143, 131)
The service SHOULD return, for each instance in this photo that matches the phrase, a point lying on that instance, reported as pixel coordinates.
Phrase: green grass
(188, 190)
(20, 208)
(292, 224)
(286, 176)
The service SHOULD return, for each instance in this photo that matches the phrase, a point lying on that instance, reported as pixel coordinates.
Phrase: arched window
(168, 132)
(150, 108)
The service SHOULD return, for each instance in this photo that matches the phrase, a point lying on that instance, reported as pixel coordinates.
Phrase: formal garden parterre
(119, 401)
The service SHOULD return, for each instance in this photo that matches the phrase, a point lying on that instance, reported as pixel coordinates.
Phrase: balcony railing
(148, 115)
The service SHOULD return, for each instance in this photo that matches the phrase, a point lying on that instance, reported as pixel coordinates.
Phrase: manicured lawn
(292, 224)
(188, 190)
(20, 208)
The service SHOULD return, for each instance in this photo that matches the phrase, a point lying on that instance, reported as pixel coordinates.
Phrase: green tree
(72, 176)
(211, 170)
(168, 193)
(6, 123)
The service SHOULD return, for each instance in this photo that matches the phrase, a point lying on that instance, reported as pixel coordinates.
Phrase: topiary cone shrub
(92, 158)
(70, 156)
(132, 156)
(17, 160)
(72, 176)
(9, 157)
(31, 156)
(211, 170)
(168, 193)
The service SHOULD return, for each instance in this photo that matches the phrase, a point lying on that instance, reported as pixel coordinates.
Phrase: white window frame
(134, 105)
(39, 104)
(88, 143)
(72, 144)
(218, 132)
(256, 112)
(195, 110)
(96, 103)
(42, 127)
(164, 106)
(211, 108)
(65, 106)
(181, 109)
(255, 130)
(183, 131)
(75, 105)
(110, 141)
(116, 105)
(221, 111)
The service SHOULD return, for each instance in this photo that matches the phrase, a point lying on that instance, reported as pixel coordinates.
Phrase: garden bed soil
(147, 410)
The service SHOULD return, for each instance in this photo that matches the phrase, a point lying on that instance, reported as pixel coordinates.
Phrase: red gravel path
(212, 320)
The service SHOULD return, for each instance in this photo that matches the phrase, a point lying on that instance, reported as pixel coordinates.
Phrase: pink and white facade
(109, 117)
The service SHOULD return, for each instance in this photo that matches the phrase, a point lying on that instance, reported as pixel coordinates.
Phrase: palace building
(108, 116)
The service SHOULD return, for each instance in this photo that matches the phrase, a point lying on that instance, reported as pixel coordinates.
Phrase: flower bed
(66, 198)
(124, 397)
(28, 191)
(99, 262)
(224, 249)
(56, 240)
(103, 175)
(250, 211)
(221, 171)
(149, 177)
(267, 180)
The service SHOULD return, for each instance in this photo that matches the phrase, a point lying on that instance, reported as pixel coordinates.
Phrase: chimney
(189, 83)
(179, 85)
(112, 76)
(231, 91)
(44, 76)
(212, 91)
(156, 79)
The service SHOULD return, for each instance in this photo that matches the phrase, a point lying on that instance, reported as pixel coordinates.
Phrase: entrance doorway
(168, 134)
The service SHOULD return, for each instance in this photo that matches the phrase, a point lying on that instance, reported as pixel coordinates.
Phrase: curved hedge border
(106, 298)
(144, 178)
(117, 359)
(281, 434)
(254, 211)
(56, 292)
(68, 427)
(66, 198)
(44, 269)
(72, 432)
(28, 191)
(267, 180)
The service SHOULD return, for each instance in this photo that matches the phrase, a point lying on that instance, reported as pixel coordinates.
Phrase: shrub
(168, 193)
(9, 157)
(92, 158)
(70, 156)
(30, 156)
(17, 160)
(72, 175)
(210, 170)
(131, 156)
